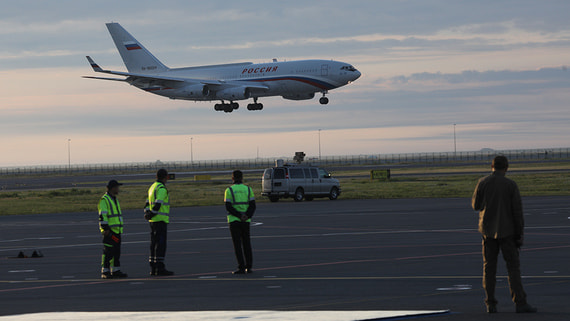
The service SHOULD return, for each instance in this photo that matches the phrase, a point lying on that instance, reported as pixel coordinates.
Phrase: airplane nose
(357, 74)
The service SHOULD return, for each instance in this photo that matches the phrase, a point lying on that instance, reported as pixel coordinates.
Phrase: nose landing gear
(324, 100)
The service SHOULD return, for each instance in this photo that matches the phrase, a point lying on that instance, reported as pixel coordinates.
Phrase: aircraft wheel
(324, 100)
(254, 106)
(234, 106)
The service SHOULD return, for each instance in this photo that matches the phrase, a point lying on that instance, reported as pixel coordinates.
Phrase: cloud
(492, 67)
(552, 75)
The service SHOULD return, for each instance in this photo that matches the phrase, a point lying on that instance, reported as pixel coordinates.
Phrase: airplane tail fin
(136, 57)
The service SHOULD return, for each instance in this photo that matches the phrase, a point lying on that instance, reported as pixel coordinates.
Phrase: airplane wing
(135, 76)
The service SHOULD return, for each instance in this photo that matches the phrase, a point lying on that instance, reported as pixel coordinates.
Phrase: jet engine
(233, 93)
(301, 96)
(194, 91)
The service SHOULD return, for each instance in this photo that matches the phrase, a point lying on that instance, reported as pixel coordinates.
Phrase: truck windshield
(323, 173)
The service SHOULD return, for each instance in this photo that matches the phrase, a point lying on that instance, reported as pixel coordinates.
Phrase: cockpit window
(349, 68)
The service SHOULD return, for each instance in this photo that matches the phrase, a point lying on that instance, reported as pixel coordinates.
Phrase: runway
(345, 255)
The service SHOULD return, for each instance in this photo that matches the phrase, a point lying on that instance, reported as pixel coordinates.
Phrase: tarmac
(321, 260)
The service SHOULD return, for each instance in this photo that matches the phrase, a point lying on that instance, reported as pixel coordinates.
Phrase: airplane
(228, 83)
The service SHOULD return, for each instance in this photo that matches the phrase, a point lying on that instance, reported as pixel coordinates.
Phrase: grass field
(431, 184)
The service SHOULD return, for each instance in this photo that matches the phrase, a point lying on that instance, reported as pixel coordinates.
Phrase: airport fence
(442, 158)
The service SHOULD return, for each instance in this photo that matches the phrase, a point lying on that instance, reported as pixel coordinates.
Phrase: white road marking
(457, 287)
(223, 315)
(21, 271)
(33, 239)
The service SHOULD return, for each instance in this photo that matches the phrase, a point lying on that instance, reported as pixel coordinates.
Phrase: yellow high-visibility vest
(110, 214)
(239, 195)
(158, 194)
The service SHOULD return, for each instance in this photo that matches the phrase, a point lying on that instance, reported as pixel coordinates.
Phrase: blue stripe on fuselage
(311, 81)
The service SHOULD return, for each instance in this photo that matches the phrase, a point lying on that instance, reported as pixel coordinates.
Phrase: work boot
(527, 308)
(161, 270)
(152, 269)
(239, 271)
(492, 309)
(106, 275)
(164, 272)
(119, 275)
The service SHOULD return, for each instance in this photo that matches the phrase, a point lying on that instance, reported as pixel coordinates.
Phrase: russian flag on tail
(132, 46)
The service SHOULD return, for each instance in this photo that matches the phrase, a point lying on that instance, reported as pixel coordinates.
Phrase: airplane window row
(307, 70)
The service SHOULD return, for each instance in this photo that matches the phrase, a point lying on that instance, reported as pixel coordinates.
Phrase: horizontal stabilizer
(103, 78)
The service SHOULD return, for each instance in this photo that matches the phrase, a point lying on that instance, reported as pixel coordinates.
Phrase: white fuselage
(293, 80)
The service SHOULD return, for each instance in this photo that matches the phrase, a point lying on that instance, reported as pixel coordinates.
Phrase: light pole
(319, 144)
(69, 154)
(454, 140)
(192, 150)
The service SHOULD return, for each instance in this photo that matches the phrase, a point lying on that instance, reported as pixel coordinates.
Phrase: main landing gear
(226, 108)
(255, 105)
(229, 107)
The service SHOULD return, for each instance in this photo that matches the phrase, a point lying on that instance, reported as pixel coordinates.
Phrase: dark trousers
(242, 244)
(157, 244)
(491, 248)
(111, 252)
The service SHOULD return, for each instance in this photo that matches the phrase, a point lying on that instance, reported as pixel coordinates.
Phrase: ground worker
(111, 225)
(240, 205)
(157, 211)
(501, 224)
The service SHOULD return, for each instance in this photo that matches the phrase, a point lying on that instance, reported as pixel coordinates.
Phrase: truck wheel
(333, 195)
(299, 194)
(273, 199)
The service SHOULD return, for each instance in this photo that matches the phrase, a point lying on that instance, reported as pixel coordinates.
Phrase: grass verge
(189, 193)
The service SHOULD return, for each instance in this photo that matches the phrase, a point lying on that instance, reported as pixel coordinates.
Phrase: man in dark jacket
(501, 223)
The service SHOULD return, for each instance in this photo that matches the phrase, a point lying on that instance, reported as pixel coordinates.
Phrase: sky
(498, 70)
